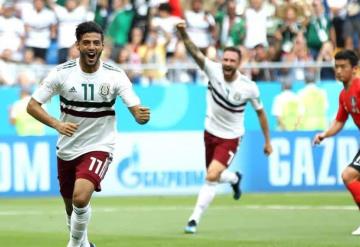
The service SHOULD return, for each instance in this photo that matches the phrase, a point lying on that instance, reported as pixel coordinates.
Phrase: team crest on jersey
(237, 96)
(104, 89)
(354, 107)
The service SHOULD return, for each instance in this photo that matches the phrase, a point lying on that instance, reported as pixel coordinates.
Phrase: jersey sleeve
(210, 67)
(126, 92)
(255, 98)
(49, 87)
(342, 115)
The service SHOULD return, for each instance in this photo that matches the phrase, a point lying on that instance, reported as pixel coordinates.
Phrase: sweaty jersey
(349, 103)
(88, 100)
(226, 102)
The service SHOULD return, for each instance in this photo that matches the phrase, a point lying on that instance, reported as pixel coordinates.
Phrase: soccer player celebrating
(228, 93)
(88, 88)
(346, 64)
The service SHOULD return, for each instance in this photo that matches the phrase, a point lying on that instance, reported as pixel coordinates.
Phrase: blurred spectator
(12, 31)
(5, 77)
(201, 25)
(136, 41)
(119, 25)
(40, 28)
(319, 29)
(8, 68)
(143, 12)
(69, 16)
(338, 15)
(165, 22)
(287, 108)
(274, 49)
(256, 24)
(261, 56)
(327, 55)
(125, 58)
(298, 56)
(180, 58)
(315, 102)
(273, 20)
(29, 73)
(102, 13)
(231, 26)
(154, 53)
(246, 57)
(289, 28)
(352, 24)
(25, 125)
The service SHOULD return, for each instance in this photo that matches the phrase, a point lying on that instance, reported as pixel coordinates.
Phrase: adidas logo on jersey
(72, 90)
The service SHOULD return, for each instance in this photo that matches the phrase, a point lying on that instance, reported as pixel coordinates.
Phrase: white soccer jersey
(87, 99)
(226, 102)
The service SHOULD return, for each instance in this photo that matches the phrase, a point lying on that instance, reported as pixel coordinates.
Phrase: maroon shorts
(91, 166)
(222, 150)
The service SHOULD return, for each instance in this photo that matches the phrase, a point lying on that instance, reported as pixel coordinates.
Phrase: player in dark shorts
(346, 65)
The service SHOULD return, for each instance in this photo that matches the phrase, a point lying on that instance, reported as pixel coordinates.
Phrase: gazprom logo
(130, 175)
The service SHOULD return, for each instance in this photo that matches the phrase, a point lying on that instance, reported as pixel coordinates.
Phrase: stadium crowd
(140, 35)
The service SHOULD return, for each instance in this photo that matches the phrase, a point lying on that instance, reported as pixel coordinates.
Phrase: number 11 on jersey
(86, 88)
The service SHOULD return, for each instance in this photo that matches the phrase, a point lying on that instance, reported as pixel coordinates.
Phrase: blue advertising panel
(295, 164)
(149, 163)
(28, 166)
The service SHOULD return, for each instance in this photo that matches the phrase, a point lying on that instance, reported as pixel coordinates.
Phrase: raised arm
(334, 128)
(65, 128)
(265, 129)
(195, 52)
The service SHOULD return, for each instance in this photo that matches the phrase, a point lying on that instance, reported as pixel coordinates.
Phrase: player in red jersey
(346, 64)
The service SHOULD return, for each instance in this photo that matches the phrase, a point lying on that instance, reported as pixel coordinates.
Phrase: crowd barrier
(177, 107)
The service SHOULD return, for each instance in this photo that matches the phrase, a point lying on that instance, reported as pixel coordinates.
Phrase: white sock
(68, 221)
(85, 242)
(228, 177)
(205, 197)
(80, 218)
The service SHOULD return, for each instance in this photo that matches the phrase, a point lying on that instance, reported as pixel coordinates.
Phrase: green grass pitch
(257, 220)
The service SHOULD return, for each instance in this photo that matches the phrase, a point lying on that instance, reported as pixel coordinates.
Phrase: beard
(229, 72)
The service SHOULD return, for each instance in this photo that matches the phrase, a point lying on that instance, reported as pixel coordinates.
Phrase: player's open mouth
(228, 70)
(91, 55)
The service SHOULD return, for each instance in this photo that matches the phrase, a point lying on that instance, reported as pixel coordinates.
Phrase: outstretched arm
(65, 128)
(265, 129)
(335, 127)
(140, 113)
(190, 46)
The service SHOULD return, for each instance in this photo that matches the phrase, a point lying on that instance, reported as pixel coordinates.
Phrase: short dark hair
(349, 55)
(234, 49)
(88, 27)
(165, 7)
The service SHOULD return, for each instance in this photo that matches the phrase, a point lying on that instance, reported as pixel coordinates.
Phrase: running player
(346, 65)
(228, 93)
(88, 88)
